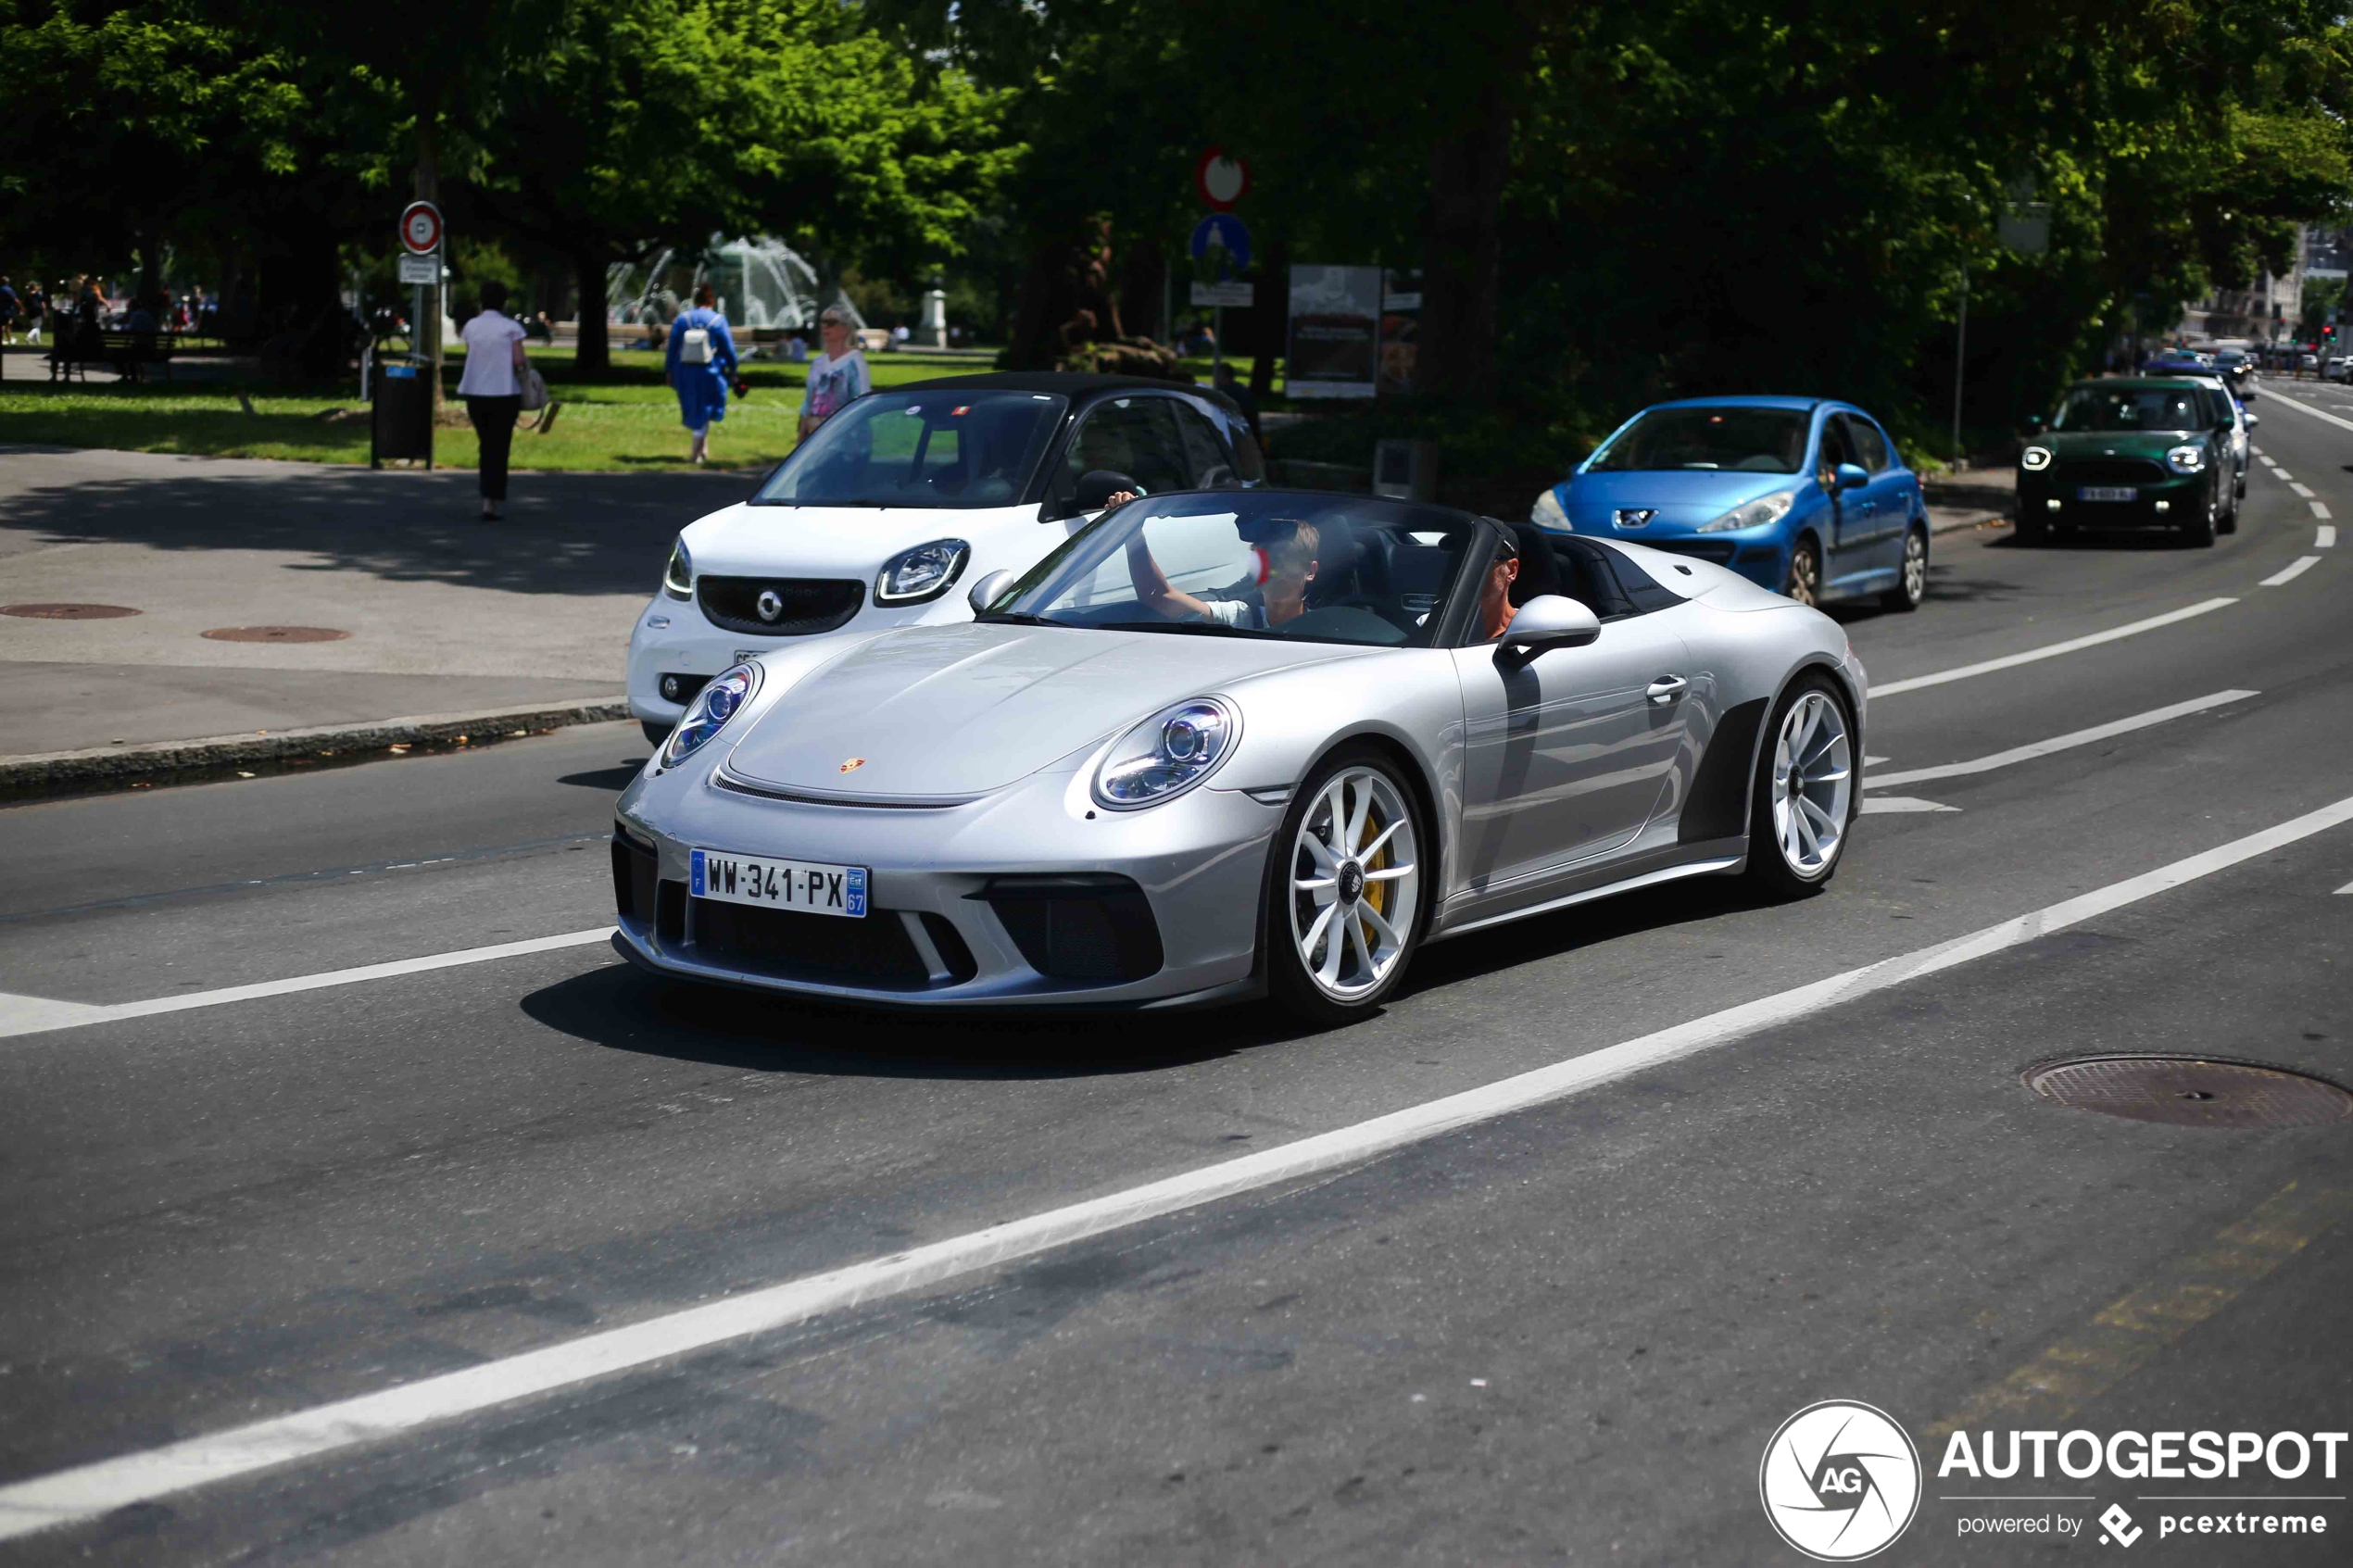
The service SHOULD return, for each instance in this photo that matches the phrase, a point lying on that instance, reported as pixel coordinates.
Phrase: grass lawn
(627, 423)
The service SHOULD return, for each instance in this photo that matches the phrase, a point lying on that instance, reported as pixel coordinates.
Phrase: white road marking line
(1897, 805)
(2302, 565)
(2301, 491)
(2318, 509)
(2303, 408)
(2059, 743)
(89, 1490)
(1869, 761)
(2009, 661)
(2324, 536)
(33, 1015)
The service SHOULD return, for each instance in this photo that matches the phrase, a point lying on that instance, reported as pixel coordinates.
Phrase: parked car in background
(2143, 452)
(873, 522)
(1804, 496)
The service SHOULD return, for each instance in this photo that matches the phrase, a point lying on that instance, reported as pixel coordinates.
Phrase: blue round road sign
(1222, 229)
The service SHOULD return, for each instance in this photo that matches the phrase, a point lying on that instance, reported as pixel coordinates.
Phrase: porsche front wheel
(1805, 798)
(1344, 908)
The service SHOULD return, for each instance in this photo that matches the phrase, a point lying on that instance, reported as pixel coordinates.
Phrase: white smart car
(873, 521)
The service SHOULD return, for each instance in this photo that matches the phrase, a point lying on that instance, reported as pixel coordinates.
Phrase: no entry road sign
(421, 228)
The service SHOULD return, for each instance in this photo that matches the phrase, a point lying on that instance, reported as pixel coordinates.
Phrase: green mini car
(2142, 452)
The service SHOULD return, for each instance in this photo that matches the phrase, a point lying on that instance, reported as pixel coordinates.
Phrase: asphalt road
(1563, 1334)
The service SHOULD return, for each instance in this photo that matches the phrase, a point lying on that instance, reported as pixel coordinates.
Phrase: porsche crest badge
(853, 764)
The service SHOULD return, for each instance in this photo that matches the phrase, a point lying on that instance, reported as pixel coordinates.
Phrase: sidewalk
(442, 614)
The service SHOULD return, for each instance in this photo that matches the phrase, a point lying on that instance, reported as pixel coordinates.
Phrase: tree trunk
(593, 355)
(1141, 271)
(1048, 296)
(1273, 313)
(1462, 250)
(150, 263)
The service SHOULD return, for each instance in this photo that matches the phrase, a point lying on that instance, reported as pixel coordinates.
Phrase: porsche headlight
(2034, 460)
(2186, 459)
(1167, 754)
(709, 713)
(678, 577)
(1754, 514)
(917, 576)
(1547, 513)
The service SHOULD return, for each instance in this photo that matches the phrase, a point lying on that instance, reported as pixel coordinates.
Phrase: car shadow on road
(1569, 932)
(623, 1008)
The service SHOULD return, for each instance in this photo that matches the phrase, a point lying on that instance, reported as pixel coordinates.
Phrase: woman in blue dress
(700, 359)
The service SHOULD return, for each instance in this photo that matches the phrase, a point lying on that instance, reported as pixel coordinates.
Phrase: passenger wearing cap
(1290, 567)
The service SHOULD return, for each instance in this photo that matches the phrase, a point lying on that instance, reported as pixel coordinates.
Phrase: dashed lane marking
(2302, 491)
(34, 1015)
(2011, 661)
(2301, 565)
(2057, 743)
(1898, 805)
(2319, 510)
(2324, 537)
(89, 1490)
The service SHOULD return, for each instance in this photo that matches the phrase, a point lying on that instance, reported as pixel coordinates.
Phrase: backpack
(694, 346)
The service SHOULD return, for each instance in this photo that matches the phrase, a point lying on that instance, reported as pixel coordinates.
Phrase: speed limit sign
(421, 228)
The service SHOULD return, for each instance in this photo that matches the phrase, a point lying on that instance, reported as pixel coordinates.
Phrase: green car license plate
(2107, 492)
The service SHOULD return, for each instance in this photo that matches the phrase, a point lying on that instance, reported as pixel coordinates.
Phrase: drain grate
(2188, 1092)
(276, 635)
(69, 612)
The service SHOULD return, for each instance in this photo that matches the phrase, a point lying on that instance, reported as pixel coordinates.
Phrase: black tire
(655, 734)
(2229, 522)
(1288, 980)
(2199, 535)
(1767, 868)
(1911, 576)
(1802, 581)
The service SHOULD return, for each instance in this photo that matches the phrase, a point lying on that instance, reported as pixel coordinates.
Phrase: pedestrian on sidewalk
(837, 377)
(492, 390)
(700, 357)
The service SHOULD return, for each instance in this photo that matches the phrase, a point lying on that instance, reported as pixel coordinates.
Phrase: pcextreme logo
(1840, 1481)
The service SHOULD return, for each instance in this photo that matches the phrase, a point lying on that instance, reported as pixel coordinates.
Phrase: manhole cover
(2185, 1092)
(276, 635)
(69, 612)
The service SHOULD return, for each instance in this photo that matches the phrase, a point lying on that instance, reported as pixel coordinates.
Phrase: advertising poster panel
(1401, 310)
(1335, 332)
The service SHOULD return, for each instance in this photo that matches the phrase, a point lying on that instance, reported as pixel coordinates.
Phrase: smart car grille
(876, 951)
(2113, 470)
(804, 606)
(1097, 929)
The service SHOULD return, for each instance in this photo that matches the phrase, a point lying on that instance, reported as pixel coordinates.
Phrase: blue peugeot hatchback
(1801, 495)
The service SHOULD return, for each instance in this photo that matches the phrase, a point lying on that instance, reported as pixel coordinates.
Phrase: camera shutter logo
(1840, 1481)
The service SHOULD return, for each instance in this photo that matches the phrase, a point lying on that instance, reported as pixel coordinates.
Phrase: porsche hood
(952, 712)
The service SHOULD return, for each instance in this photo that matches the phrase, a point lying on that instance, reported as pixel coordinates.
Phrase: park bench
(126, 354)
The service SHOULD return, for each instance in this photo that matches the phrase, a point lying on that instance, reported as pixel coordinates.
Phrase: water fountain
(761, 282)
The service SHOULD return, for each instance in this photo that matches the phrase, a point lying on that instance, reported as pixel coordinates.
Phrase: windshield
(1311, 566)
(1749, 440)
(938, 448)
(2129, 408)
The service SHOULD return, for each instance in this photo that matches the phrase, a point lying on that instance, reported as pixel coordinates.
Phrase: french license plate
(2107, 492)
(811, 888)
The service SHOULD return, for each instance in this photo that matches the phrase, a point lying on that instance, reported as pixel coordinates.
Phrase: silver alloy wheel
(1804, 576)
(1355, 883)
(1813, 786)
(1915, 567)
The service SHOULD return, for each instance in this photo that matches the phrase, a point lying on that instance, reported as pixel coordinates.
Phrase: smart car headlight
(2034, 460)
(921, 575)
(1167, 754)
(1752, 514)
(678, 577)
(709, 713)
(2186, 459)
(1547, 513)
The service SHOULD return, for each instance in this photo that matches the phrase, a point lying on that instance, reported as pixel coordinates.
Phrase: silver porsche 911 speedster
(1236, 743)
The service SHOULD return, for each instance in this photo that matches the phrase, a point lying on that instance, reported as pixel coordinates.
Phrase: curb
(1952, 520)
(104, 768)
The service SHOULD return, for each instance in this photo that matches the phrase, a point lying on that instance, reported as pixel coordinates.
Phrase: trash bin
(400, 416)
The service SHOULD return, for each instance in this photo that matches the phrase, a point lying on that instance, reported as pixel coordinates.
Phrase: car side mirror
(1550, 620)
(1852, 477)
(985, 592)
(1097, 486)
(2252, 421)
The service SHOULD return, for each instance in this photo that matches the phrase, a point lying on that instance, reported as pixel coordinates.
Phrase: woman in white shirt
(492, 390)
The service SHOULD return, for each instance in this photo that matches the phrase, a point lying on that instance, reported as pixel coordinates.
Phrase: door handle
(1666, 689)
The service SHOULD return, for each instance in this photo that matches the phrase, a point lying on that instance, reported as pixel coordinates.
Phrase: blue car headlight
(712, 707)
(2186, 459)
(1167, 754)
(1752, 514)
(1547, 513)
